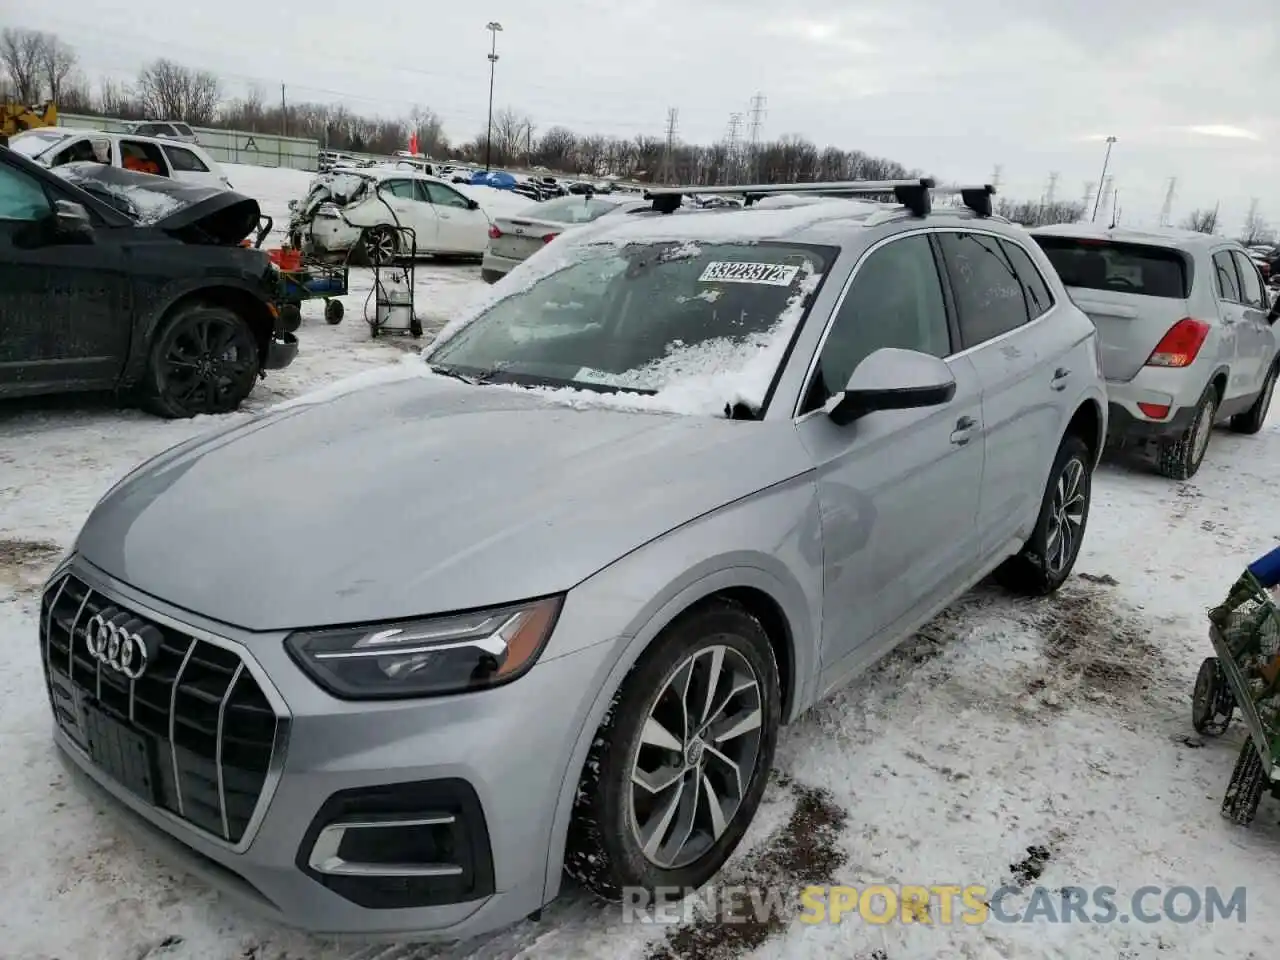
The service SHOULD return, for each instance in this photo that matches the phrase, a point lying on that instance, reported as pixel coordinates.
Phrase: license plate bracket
(126, 756)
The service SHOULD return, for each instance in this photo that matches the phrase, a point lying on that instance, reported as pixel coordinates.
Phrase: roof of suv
(827, 221)
(1188, 241)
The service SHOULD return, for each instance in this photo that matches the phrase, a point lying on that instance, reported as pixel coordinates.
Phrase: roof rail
(915, 195)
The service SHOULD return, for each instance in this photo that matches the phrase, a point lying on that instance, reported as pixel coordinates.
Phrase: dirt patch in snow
(23, 563)
(806, 851)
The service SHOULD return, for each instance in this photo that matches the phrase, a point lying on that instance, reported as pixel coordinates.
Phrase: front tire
(678, 768)
(1050, 553)
(205, 360)
(1180, 459)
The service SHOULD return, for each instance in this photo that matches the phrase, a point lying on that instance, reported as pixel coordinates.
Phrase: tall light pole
(494, 28)
(1105, 161)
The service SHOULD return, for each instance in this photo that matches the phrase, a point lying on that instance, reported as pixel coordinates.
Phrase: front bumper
(483, 746)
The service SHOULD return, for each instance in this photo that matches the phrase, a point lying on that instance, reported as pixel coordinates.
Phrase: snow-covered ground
(1004, 725)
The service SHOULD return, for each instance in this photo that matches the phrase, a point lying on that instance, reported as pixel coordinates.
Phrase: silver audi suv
(393, 659)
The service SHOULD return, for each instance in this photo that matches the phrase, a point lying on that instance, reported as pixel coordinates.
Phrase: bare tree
(56, 61)
(1256, 230)
(430, 131)
(21, 52)
(1201, 221)
(170, 91)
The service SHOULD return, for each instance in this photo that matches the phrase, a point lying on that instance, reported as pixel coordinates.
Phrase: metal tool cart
(1245, 675)
(307, 278)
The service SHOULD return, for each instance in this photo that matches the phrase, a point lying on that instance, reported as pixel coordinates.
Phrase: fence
(226, 146)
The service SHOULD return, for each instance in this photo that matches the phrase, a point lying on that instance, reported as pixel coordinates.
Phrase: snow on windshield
(680, 327)
(32, 143)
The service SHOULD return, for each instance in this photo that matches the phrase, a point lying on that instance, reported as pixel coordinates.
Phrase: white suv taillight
(1180, 346)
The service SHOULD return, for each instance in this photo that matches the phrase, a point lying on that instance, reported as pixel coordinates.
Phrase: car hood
(193, 212)
(417, 497)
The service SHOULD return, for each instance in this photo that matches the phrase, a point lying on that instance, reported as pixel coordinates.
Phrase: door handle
(1059, 381)
(960, 436)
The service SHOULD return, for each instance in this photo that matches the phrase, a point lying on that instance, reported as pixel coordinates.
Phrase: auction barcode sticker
(773, 274)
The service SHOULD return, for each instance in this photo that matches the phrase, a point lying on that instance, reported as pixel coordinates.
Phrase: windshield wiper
(455, 374)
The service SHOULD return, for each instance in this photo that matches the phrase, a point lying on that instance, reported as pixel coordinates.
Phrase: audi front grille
(193, 733)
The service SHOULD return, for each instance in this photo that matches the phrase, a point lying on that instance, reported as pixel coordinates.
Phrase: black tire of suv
(161, 394)
(1177, 459)
(601, 852)
(1028, 572)
(1251, 420)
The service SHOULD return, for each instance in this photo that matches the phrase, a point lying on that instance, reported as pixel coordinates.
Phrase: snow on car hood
(414, 497)
(187, 210)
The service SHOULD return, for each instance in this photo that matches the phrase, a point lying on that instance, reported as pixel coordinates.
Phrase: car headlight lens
(438, 655)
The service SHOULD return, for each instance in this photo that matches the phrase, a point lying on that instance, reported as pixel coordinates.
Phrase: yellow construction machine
(16, 117)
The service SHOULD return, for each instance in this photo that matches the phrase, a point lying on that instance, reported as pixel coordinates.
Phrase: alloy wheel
(207, 361)
(696, 756)
(1066, 517)
(381, 245)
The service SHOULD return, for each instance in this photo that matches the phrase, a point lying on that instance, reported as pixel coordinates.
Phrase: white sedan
(398, 213)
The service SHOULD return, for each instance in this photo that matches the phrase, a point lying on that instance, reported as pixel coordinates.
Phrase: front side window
(712, 321)
(21, 196)
(184, 160)
(989, 296)
(442, 196)
(895, 300)
(143, 157)
(1250, 282)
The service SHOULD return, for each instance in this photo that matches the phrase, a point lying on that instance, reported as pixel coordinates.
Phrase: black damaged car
(116, 280)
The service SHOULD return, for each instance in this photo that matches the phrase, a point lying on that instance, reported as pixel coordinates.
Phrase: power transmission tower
(757, 119)
(1166, 211)
(731, 147)
(668, 157)
(1051, 191)
(995, 176)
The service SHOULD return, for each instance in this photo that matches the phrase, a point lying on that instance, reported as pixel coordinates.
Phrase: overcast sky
(1191, 88)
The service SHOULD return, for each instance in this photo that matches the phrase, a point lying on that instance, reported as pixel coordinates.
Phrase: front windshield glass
(32, 143)
(646, 318)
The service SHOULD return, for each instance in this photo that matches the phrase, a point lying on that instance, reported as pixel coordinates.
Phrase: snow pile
(495, 202)
(150, 205)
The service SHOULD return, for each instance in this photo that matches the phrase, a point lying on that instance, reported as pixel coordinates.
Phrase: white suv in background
(54, 146)
(1185, 328)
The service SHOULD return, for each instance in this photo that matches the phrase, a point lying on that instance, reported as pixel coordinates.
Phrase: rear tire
(204, 360)
(381, 245)
(1179, 459)
(1251, 420)
(1050, 553)
(666, 727)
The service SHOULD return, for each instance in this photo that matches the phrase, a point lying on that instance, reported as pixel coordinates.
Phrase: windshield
(647, 319)
(571, 209)
(33, 143)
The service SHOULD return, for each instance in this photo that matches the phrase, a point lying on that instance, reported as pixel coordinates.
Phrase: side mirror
(892, 379)
(473, 204)
(71, 222)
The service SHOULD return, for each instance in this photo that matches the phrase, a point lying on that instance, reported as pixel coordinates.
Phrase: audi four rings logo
(113, 642)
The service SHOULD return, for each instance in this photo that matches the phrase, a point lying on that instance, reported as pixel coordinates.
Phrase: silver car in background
(512, 240)
(680, 483)
(1186, 330)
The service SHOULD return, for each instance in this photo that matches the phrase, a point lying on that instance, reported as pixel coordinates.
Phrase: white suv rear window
(1118, 267)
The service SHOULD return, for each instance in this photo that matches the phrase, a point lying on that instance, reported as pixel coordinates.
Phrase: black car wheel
(333, 312)
(1251, 420)
(1180, 458)
(1048, 556)
(678, 768)
(381, 245)
(205, 360)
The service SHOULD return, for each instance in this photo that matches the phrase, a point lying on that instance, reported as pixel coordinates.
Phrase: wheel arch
(764, 596)
(1089, 424)
(239, 300)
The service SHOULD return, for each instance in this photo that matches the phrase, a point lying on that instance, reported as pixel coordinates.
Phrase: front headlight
(450, 654)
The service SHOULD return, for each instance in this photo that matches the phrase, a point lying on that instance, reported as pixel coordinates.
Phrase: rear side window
(989, 294)
(143, 157)
(183, 130)
(1224, 272)
(184, 161)
(1250, 281)
(1039, 299)
(1119, 267)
